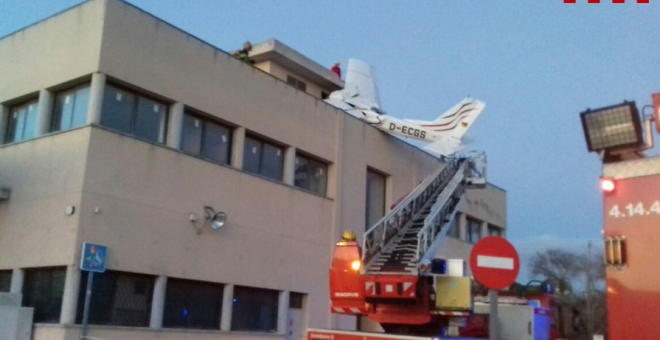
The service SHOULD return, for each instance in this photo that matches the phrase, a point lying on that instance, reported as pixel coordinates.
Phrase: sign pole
(493, 324)
(93, 259)
(88, 297)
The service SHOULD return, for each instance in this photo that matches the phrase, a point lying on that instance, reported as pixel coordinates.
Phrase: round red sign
(494, 262)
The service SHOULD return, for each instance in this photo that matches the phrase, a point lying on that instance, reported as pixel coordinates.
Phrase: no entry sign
(494, 262)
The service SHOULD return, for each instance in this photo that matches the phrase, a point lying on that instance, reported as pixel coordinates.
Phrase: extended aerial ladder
(388, 278)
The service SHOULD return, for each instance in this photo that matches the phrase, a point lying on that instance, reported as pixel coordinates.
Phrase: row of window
(124, 299)
(144, 117)
(472, 230)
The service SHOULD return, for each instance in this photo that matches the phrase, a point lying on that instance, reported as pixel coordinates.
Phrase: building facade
(122, 130)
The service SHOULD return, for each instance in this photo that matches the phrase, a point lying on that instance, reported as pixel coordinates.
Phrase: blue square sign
(93, 257)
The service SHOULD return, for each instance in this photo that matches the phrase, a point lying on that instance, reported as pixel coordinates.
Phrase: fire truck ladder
(412, 233)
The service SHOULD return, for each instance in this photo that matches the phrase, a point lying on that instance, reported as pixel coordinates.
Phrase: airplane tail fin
(457, 120)
(360, 84)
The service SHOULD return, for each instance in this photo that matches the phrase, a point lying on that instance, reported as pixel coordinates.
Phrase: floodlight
(217, 219)
(612, 128)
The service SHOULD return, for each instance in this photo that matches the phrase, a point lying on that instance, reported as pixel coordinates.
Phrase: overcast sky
(536, 63)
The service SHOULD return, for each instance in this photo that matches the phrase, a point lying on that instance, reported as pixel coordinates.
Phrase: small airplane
(360, 99)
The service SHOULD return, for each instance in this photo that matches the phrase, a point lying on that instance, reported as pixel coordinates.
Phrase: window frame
(53, 114)
(100, 315)
(135, 111)
(217, 312)
(10, 122)
(263, 142)
(313, 159)
(252, 292)
(43, 308)
(469, 223)
(296, 83)
(204, 120)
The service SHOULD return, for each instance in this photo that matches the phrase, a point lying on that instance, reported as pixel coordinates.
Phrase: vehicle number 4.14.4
(633, 210)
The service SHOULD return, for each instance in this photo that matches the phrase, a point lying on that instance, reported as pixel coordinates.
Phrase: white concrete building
(119, 129)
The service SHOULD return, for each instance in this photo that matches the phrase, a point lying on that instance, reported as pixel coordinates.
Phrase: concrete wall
(488, 204)
(46, 176)
(274, 238)
(55, 50)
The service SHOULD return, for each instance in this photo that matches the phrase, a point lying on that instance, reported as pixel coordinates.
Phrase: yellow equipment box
(453, 293)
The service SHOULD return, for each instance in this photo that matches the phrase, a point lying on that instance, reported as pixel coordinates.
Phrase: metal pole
(494, 326)
(88, 297)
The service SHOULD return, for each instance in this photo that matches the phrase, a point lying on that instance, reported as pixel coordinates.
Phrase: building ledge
(276, 51)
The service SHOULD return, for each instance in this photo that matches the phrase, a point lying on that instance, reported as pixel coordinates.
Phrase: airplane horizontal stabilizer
(444, 147)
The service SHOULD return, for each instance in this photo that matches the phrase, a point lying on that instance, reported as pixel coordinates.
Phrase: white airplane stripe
(494, 262)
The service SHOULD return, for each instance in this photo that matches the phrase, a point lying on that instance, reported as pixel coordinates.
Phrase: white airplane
(360, 99)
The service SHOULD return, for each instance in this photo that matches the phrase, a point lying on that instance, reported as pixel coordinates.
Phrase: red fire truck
(631, 205)
(393, 278)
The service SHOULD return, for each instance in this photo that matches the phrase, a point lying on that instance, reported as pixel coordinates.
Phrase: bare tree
(581, 313)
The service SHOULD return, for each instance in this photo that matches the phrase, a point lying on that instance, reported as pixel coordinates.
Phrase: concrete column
(158, 303)
(462, 226)
(17, 278)
(175, 125)
(289, 165)
(96, 99)
(283, 311)
(483, 232)
(70, 297)
(44, 110)
(237, 145)
(227, 305)
(4, 122)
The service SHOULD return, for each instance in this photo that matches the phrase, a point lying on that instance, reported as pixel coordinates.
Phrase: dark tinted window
(43, 289)
(296, 300)
(217, 143)
(473, 230)
(118, 110)
(272, 162)
(311, 174)
(254, 309)
(263, 158)
(70, 108)
(5, 280)
(191, 134)
(252, 155)
(118, 299)
(375, 207)
(192, 304)
(297, 83)
(150, 120)
(22, 122)
(134, 114)
(206, 138)
(453, 228)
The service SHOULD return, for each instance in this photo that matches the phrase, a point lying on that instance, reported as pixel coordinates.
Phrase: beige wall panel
(153, 55)
(58, 49)
(488, 204)
(45, 176)
(275, 236)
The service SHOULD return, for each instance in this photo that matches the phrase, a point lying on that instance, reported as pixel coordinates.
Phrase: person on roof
(335, 69)
(244, 54)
